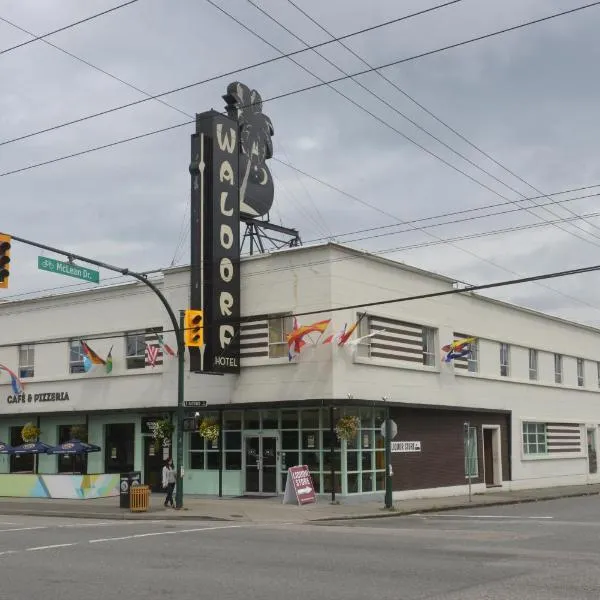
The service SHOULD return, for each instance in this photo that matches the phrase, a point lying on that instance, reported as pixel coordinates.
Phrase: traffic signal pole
(177, 328)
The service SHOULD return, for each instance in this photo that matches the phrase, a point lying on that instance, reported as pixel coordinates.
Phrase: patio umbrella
(31, 448)
(74, 447)
(5, 448)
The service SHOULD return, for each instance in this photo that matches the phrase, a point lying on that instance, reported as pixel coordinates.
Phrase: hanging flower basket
(347, 427)
(209, 429)
(162, 431)
(30, 432)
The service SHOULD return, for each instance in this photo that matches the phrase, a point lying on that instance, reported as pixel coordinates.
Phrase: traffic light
(193, 323)
(4, 259)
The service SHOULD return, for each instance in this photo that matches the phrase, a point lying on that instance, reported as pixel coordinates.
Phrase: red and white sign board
(299, 488)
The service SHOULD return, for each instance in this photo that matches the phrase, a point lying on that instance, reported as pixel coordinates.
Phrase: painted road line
(512, 518)
(156, 533)
(51, 547)
(24, 528)
(5, 552)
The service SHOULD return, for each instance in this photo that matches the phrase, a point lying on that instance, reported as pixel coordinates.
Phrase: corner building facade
(522, 411)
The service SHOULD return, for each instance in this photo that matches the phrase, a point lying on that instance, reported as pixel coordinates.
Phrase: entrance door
(261, 464)
(488, 456)
(119, 447)
(153, 464)
(592, 456)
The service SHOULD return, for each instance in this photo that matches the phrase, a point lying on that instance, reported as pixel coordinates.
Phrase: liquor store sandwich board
(299, 488)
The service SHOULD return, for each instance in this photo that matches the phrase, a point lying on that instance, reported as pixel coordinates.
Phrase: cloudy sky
(528, 99)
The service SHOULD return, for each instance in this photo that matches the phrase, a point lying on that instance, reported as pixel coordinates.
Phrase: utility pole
(389, 434)
(177, 328)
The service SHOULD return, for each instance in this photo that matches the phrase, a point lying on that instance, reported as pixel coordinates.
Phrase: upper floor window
(429, 349)
(533, 364)
(473, 359)
(397, 340)
(26, 361)
(557, 368)
(279, 327)
(504, 360)
(580, 377)
(76, 355)
(135, 349)
(470, 361)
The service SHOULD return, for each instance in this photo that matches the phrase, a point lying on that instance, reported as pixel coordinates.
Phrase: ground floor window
(265, 443)
(71, 463)
(119, 444)
(20, 463)
(471, 458)
(534, 438)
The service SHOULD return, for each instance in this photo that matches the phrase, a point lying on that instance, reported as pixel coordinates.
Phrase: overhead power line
(319, 45)
(336, 309)
(430, 113)
(70, 26)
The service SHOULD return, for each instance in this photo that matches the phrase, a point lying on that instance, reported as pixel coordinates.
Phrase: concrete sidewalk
(271, 510)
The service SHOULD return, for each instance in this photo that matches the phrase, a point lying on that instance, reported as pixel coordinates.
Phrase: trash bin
(140, 498)
(133, 478)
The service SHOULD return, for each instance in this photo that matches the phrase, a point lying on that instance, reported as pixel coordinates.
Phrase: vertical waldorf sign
(215, 241)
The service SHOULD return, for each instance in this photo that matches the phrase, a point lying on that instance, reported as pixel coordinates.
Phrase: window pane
(233, 440)
(310, 419)
(196, 460)
(233, 461)
(196, 441)
(312, 461)
(289, 459)
(232, 419)
(252, 419)
(367, 482)
(310, 440)
(353, 484)
(367, 461)
(352, 461)
(380, 481)
(270, 419)
(212, 460)
(330, 439)
(289, 419)
(289, 440)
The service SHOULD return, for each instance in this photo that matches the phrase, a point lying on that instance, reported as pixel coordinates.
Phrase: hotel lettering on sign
(215, 285)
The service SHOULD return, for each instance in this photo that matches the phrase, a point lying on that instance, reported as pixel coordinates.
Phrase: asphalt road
(547, 550)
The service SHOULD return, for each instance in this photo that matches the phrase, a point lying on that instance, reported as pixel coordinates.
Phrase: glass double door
(261, 464)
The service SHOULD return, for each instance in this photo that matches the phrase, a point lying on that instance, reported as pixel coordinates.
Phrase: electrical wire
(429, 112)
(362, 306)
(71, 25)
(319, 45)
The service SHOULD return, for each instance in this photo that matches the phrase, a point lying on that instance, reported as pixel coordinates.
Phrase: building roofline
(300, 249)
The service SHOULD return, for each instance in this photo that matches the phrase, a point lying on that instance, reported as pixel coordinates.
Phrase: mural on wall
(72, 487)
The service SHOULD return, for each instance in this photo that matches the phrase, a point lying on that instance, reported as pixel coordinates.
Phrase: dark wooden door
(488, 456)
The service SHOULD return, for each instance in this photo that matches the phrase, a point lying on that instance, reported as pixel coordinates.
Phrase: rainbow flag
(90, 358)
(15, 382)
(295, 339)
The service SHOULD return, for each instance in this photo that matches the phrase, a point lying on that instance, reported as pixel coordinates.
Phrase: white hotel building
(530, 392)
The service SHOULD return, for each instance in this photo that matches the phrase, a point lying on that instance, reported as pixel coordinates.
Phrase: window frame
(137, 360)
(533, 364)
(504, 355)
(558, 368)
(473, 358)
(580, 372)
(279, 348)
(27, 368)
(429, 346)
(530, 434)
(76, 366)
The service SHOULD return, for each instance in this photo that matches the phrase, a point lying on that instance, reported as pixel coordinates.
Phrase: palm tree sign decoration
(256, 146)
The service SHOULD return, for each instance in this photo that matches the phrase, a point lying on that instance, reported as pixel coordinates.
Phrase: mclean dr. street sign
(63, 268)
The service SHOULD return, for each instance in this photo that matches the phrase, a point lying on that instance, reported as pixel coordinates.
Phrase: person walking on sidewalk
(168, 481)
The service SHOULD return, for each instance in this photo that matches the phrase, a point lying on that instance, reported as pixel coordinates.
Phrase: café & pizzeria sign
(35, 398)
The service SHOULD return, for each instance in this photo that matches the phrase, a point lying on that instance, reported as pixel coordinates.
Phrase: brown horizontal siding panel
(557, 444)
(393, 332)
(396, 357)
(569, 426)
(254, 336)
(253, 345)
(393, 322)
(563, 450)
(563, 432)
(399, 349)
(253, 354)
(416, 342)
(441, 460)
(462, 366)
(557, 439)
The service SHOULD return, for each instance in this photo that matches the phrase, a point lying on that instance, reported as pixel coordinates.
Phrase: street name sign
(64, 268)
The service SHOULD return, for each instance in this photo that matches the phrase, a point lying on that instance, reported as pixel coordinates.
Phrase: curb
(125, 516)
(462, 506)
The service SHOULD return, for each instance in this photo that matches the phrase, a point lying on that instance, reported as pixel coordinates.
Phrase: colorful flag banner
(165, 347)
(90, 358)
(109, 361)
(295, 339)
(15, 382)
(360, 340)
(458, 348)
